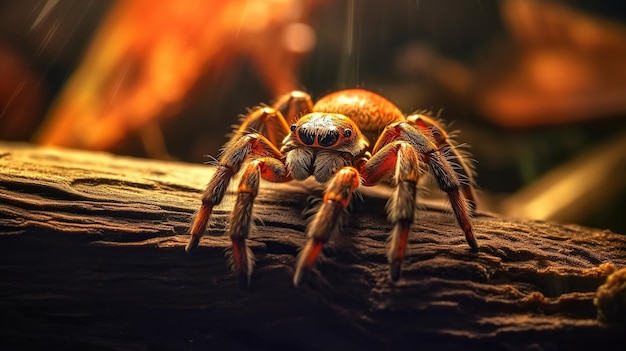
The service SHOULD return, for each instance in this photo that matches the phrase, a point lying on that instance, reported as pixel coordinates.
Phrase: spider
(327, 141)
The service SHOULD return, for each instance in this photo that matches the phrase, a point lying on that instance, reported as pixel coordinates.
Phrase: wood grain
(92, 257)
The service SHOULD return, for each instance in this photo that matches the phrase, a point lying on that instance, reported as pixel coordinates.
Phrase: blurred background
(537, 88)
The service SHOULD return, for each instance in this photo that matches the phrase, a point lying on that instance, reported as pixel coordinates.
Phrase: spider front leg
(399, 157)
(236, 152)
(241, 218)
(327, 220)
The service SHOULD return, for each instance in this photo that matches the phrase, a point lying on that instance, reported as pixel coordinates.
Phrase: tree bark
(92, 257)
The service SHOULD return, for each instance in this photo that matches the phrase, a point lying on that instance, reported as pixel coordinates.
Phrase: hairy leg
(266, 121)
(448, 182)
(444, 144)
(401, 159)
(444, 174)
(241, 216)
(236, 152)
(294, 105)
(326, 222)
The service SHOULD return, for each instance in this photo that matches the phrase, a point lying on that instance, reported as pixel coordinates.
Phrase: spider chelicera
(327, 141)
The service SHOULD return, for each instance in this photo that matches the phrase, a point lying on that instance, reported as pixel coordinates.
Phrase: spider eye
(329, 138)
(306, 137)
(293, 127)
(347, 133)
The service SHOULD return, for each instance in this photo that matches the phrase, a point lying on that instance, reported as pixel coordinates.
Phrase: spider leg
(294, 105)
(272, 122)
(447, 180)
(241, 217)
(389, 153)
(236, 152)
(401, 158)
(445, 176)
(326, 222)
(267, 121)
(444, 144)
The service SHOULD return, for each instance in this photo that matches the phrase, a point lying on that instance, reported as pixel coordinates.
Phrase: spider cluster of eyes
(327, 138)
(327, 142)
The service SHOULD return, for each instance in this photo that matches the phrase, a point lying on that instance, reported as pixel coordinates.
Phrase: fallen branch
(92, 256)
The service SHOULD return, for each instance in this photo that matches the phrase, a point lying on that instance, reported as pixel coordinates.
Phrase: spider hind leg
(445, 144)
(449, 183)
(242, 144)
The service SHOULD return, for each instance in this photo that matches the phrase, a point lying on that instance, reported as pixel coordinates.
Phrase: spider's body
(327, 141)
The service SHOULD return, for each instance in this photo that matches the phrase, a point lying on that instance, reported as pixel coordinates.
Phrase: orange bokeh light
(147, 55)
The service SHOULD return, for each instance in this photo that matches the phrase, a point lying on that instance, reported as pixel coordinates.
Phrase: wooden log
(92, 257)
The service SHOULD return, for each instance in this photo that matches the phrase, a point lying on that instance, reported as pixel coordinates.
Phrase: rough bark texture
(92, 257)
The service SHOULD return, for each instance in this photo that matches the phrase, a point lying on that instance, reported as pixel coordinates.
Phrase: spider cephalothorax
(327, 141)
(320, 144)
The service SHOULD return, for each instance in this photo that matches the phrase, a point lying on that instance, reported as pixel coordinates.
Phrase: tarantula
(327, 141)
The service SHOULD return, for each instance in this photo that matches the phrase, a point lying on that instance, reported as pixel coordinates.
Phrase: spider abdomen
(367, 109)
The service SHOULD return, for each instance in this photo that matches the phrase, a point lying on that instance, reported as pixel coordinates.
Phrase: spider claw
(471, 241)
(300, 275)
(469, 233)
(192, 244)
(395, 268)
(397, 248)
(244, 281)
(307, 258)
(199, 226)
(243, 262)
